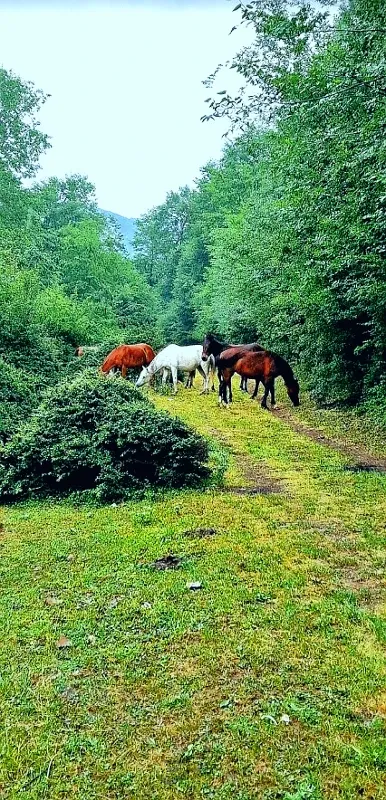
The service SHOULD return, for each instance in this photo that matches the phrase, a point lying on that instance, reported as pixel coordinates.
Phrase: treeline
(65, 279)
(284, 240)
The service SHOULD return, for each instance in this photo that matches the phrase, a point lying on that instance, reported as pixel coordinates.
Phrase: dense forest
(282, 241)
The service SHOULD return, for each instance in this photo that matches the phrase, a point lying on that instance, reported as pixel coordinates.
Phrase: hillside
(126, 225)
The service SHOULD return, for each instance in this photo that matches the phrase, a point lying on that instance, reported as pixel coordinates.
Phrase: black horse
(213, 346)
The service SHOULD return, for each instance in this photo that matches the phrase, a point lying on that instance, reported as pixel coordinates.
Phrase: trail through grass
(266, 682)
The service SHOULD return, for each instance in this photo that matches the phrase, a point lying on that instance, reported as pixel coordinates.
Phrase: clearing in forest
(264, 679)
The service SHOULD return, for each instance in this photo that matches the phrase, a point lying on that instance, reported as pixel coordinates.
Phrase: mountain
(126, 226)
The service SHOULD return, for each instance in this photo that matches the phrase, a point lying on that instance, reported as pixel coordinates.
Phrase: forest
(282, 241)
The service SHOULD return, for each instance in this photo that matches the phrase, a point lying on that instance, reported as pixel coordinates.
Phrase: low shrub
(18, 396)
(99, 434)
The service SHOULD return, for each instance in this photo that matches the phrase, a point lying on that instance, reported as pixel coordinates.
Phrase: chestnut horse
(128, 356)
(263, 366)
(214, 347)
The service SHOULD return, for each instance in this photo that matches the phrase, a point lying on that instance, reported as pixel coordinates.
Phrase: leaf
(269, 717)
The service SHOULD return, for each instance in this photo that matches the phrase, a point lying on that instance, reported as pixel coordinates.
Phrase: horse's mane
(214, 339)
(284, 368)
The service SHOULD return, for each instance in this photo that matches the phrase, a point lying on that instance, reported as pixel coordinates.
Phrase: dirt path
(362, 460)
(256, 478)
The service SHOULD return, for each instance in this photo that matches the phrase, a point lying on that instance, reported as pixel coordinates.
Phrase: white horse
(174, 358)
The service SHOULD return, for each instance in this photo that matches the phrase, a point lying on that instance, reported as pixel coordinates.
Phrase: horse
(128, 356)
(261, 365)
(85, 348)
(213, 346)
(173, 358)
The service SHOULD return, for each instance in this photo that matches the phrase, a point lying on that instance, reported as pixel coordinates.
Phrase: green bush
(18, 395)
(99, 434)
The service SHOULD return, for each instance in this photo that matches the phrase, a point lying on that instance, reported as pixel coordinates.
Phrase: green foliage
(18, 395)
(100, 434)
(21, 143)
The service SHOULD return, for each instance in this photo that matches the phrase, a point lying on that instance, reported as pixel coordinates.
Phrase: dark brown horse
(213, 346)
(128, 356)
(262, 366)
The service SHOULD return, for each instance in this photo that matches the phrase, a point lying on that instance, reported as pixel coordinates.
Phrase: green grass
(167, 693)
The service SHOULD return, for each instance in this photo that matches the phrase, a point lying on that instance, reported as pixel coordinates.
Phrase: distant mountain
(126, 226)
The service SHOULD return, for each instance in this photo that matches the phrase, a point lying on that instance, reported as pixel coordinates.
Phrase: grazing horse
(128, 356)
(174, 358)
(213, 346)
(263, 366)
(85, 348)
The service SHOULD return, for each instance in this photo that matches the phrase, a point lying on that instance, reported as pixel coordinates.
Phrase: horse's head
(293, 392)
(207, 346)
(144, 377)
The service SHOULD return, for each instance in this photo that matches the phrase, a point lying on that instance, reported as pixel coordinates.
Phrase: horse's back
(149, 352)
(126, 355)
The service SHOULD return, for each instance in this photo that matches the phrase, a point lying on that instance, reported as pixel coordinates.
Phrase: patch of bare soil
(363, 461)
(256, 476)
(167, 562)
(332, 530)
(200, 533)
(370, 589)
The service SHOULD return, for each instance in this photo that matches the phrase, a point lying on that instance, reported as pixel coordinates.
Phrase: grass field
(268, 681)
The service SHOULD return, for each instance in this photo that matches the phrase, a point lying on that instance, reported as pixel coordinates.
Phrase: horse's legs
(220, 387)
(165, 375)
(266, 390)
(272, 391)
(205, 375)
(212, 372)
(124, 370)
(244, 384)
(269, 388)
(190, 379)
(174, 378)
(257, 384)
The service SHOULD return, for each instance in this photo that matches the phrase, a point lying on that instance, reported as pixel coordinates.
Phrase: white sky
(126, 90)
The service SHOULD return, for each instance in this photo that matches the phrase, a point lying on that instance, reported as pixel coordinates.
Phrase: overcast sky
(126, 85)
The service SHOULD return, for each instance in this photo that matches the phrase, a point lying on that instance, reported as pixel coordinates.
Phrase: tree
(21, 141)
